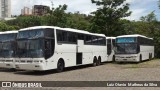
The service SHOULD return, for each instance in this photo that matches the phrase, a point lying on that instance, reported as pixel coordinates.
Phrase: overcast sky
(138, 7)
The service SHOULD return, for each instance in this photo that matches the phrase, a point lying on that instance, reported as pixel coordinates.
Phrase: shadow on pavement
(7, 70)
(41, 73)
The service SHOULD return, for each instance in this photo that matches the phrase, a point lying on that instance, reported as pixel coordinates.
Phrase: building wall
(40, 10)
(5, 8)
(26, 11)
(0, 9)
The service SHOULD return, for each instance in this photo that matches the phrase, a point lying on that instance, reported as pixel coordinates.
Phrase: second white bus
(134, 48)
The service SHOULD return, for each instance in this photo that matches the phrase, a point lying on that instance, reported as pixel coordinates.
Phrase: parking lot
(145, 71)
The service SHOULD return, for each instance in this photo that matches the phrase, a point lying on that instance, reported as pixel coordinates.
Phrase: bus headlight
(38, 61)
(17, 61)
(133, 56)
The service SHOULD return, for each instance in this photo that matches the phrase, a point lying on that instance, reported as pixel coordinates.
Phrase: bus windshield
(126, 40)
(127, 48)
(7, 37)
(30, 48)
(7, 50)
(35, 48)
(22, 48)
(1, 46)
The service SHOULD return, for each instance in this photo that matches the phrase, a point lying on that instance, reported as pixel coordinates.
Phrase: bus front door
(49, 48)
(79, 54)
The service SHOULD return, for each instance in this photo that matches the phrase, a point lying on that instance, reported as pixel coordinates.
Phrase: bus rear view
(133, 48)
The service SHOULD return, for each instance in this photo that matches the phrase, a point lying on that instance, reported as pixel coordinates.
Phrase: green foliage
(25, 21)
(107, 18)
(157, 40)
(3, 26)
(148, 26)
(78, 21)
(149, 18)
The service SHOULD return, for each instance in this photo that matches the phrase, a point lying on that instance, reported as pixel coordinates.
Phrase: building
(40, 10)
(26, 11)
(5, 9)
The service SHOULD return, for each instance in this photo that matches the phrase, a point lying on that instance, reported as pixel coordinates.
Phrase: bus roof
(99, 34)
(75, 30)
(81, 31)
(134, 35)
(110, 37)
(9, 32)
(38, 27)
(65, 29)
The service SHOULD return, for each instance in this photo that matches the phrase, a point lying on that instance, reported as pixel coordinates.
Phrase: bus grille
(23, 61)
(9, 60)
(29, 61)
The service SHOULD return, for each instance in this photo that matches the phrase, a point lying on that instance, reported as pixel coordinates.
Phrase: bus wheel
(140, 58)
(99, 61)
(13, 69)
(113, 58)
(150, 56)
(60, 66)
(95, 61)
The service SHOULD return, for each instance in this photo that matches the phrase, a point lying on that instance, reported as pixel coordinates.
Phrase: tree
(107, 18)
(3, 26)
(149, 26)
(78, 21)
(151, 17)
(60, 15)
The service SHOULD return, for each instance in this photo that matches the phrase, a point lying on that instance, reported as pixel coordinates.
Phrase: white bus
(46, 47)
(7, 49)
(134, 48)
(110, 48)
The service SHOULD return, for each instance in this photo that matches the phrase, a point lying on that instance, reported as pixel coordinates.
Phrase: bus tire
(13, 69)
(150, 56)
(94, 61)
(99, 61)
(60, 65)
(113, 58)
(140, 58)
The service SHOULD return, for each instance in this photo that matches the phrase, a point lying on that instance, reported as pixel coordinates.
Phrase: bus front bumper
(126, 58)
(30, 67)
(8, 64)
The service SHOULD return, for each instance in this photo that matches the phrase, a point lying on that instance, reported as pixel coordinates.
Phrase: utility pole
(52, 6)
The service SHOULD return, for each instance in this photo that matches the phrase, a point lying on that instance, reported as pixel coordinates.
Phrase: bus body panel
(145, 51)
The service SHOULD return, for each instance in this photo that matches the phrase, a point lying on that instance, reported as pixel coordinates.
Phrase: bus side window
(109, 47)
